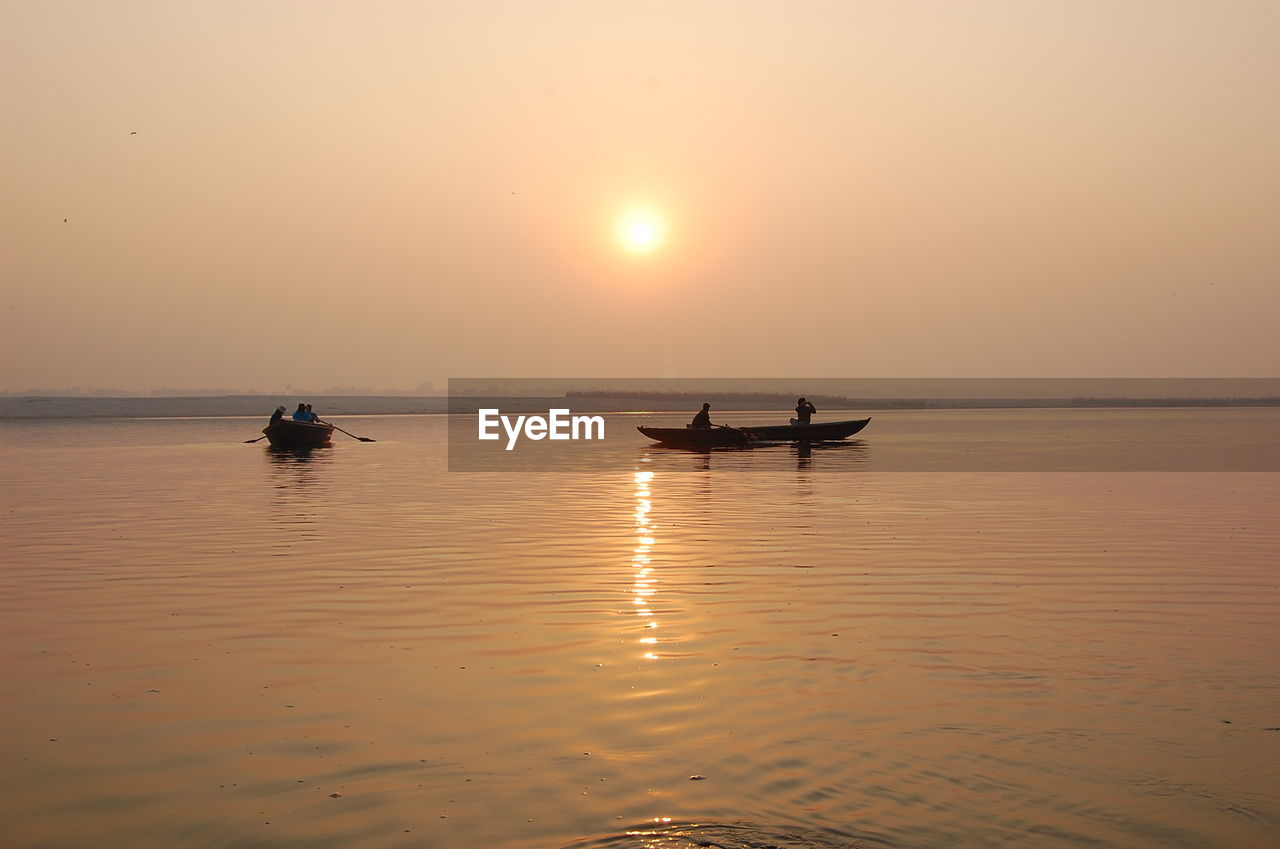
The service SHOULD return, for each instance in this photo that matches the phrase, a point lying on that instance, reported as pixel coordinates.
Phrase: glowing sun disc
(640, 230)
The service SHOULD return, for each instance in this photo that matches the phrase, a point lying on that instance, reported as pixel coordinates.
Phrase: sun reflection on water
(643, 584)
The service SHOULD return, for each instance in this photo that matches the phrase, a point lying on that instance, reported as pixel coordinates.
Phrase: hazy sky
(380, 193)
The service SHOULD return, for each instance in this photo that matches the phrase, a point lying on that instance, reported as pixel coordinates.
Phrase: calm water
(210, 644)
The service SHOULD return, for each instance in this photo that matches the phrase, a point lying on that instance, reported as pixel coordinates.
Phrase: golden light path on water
(642, 588)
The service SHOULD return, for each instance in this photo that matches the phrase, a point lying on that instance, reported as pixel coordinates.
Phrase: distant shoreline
(755, 400)
(229, 406)
(211, 406)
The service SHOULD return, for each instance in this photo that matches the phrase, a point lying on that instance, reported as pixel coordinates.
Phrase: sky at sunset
(332, 194)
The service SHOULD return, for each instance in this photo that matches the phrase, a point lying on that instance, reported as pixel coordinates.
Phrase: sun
(640, 230)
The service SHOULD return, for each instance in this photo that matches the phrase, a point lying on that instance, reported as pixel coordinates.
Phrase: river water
(213, 644)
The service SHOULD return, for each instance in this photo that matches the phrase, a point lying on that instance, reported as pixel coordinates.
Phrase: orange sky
(331, 194)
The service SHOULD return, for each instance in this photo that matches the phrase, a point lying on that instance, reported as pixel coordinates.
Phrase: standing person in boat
(300, 414)
(276, 416)
(703, 418)
(804, 411)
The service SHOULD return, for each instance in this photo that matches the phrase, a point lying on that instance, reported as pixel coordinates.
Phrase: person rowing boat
(703, 417)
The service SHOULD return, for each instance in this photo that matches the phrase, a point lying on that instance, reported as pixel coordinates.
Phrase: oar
(347, 432)
(259, 439)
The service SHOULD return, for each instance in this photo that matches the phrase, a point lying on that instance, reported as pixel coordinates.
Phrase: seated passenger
(804, 411)
(301, 414)
(703, 418)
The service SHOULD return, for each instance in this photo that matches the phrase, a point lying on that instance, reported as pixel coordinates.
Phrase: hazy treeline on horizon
(424, 389)
(883, 388)
(19, 407)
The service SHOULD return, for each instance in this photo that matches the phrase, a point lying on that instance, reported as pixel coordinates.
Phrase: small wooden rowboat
(711, 437)
(287, 433)
(819, 432)
(696, 437)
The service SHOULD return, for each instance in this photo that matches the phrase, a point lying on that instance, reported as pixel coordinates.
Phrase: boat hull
(696, 437)
(290, 434)
(820, 432)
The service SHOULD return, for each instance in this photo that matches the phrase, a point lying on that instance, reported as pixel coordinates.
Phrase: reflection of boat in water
(281, 455)
(287, 433)
(820, 432)
(714, 437)
(696, 437)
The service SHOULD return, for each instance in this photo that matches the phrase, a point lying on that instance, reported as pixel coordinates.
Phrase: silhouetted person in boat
(804, 411)
(703, 418)
(300, 414)
(276, 416)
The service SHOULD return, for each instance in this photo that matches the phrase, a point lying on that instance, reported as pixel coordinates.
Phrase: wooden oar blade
(347, 432)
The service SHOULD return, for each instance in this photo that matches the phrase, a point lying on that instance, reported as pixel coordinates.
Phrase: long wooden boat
(819, 432)
(696, 437)
(287, 433)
